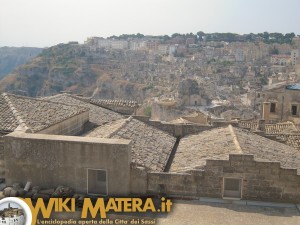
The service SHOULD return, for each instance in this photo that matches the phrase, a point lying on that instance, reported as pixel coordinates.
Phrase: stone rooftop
(8, 122)
(106, 102)
(218, 143)
(292, 140)
(151, 147)
(33, 114)
(98, 115)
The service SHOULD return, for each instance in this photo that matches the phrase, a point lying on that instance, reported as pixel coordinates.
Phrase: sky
(12, 204)
(43, 23)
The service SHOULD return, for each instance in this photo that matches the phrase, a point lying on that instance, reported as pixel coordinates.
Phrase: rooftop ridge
(235, 139)
(47, 99)
(115, 102)
(123, 123)
(16, 114)
(115, 125)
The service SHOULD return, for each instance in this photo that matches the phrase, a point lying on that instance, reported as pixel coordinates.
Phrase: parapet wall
(177, 130)
(265, 181)
(2, 169)
(70, 126)
(52, 160)
(1, 147)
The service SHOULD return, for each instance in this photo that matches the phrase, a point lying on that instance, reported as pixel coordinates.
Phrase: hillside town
(186, 116)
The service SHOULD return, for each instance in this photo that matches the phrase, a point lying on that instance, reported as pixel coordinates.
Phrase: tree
(200, 35)
(147, 111)
(274, 51)
(266, 36)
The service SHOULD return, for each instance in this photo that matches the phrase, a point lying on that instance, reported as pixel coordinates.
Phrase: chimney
(266, 110)
(261, 125)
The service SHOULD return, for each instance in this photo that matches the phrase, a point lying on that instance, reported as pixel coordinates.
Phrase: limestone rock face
(188, 87)
(12, 57)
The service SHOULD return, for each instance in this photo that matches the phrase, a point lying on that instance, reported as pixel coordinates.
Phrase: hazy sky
(41, 23)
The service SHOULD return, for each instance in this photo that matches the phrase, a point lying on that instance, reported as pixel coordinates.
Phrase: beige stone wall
(138, 181)
(71, 126)
(165, 112)
(265, 181)
(200, 118)
(2, 169)
(284, 99)
(52, 160)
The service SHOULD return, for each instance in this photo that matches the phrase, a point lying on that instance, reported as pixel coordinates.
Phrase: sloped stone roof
(218, 143)
(292, 140)
(98, 115)
(8, 122)
(31, 113)
(151, 147)
(107, 102)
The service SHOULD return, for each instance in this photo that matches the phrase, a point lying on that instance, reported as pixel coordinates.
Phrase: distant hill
(73, 68)
(12, 57)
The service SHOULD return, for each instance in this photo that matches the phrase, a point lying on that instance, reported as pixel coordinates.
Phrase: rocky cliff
(12, 57)
(74, 68)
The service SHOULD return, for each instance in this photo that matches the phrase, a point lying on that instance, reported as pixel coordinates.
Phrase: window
(294, 110)
(273, 107)
(232, 188)
(97, 182)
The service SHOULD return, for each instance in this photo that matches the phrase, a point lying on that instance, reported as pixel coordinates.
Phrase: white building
(14, 220)
(119, 44)
(295, 55)
(12, 216)
(163, 49)
(136, 45)
(104, 43)
(239, 55)
(172, 49)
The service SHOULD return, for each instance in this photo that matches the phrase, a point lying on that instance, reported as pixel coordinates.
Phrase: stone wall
(138, 181)
(1, 147)
(2, 168)
(177, 130)
(265, 181)
(172, 184)
(51, 160)
(71, 126)
(283, 99)
(165, 111)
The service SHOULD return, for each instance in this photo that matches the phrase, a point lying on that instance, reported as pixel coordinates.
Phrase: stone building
(126, 156)
(97, 114)
(281, 103)
(27, 123)
(12, 216)
(229, 162)
(32, 115)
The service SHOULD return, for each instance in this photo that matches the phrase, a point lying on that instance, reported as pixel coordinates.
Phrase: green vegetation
(274, 51)
(126, 36)
(150, 86)
(147, 111)
(266, 37)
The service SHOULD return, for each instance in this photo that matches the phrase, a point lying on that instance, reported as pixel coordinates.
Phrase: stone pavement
(205, 213)
(198, 213)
